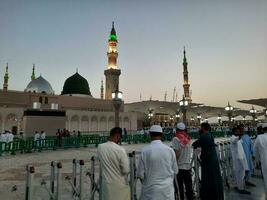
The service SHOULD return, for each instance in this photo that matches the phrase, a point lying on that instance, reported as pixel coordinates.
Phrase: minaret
(186, 84)
(33, 72)
(112, 73)
(6, 77)
(102, 90)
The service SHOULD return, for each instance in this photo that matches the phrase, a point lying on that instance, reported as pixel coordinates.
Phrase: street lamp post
(253, 113)
(192, 119)
(183, 105)
(219, 119)
(150, 116)
(229, 109)
(117, 101)
(171, 119)
(198, 118)
(177, 116)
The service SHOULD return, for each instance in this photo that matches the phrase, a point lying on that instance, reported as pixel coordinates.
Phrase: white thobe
(43, 135)
(157, 168)
(260, 152)
(240, 165)
(115, 168)
(36, 137)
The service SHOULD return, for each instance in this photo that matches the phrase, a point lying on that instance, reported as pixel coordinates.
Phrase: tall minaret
(33, 72)
(186, 84)
(102, 90)
(112, 73)
(6, 77)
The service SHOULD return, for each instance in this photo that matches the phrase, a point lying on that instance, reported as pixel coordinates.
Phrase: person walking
(157, 168)
(240, 165)
(211, 179)
(260, 150)
(248, 149)
(115, 168)
(182, 147)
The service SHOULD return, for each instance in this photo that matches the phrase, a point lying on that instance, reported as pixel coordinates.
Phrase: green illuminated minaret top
(113, 36)
(33, 72)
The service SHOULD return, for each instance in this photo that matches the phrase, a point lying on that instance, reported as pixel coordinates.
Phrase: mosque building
(39, 108)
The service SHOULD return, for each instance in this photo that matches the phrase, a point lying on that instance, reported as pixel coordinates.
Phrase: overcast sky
(226, 44)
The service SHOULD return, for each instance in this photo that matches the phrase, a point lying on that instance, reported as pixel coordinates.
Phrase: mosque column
(3, 123)
(80, 123)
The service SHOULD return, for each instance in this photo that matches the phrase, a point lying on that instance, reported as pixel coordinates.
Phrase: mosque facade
(39, 108)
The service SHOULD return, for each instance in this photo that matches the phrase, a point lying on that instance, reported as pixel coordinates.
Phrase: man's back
(157, 167)
(114, 162)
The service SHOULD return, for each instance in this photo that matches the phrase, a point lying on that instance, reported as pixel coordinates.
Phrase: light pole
(244, 119)
(183, 105)
(253, 113)
(229, 109)
(177, 116)
(171, 119)
(117, 101)
(199, 118)
(192, 119)
(150, 116)
(219, 119)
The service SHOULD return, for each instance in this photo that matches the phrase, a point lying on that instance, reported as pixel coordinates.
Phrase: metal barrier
(77, 179)
(54, 143)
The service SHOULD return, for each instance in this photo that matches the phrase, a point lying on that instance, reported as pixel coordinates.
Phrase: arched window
(40, 99)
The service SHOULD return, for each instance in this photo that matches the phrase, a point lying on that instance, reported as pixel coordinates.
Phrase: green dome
(76, 84)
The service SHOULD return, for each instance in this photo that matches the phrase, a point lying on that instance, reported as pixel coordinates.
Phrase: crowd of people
(6, 136)
(159, 164)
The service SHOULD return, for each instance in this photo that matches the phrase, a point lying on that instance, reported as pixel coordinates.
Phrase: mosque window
(40, 99)
(46, 100)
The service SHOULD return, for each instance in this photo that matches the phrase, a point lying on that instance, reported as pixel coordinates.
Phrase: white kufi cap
(156, 129)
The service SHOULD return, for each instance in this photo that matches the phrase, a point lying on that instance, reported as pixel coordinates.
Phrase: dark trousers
(184, 179)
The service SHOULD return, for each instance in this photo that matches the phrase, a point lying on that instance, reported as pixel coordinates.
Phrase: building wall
(92, 121)
(10, 118)
(49, 124)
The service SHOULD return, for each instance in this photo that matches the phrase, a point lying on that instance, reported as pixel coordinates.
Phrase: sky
(225, 41)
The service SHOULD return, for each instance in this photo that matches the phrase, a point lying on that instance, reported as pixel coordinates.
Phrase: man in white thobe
(240, 165)
(260, 149)
(114, 164)
(157, 168)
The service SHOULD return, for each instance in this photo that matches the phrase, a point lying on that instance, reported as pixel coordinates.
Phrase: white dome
(39, 85)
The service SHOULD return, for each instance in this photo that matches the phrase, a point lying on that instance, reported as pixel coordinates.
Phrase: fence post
(92, 173)
(58, 194)
(131, 157)
(81, 179)
(74, 174)
(52, 177)
(196, 164)
(29, 182)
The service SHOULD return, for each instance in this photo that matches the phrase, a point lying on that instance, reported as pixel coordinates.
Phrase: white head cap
(181, 126)
(156, 129)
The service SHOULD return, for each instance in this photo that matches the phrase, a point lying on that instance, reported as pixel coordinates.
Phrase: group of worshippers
(6, 137)
(38, 136)
(158, 166)
(244, 152)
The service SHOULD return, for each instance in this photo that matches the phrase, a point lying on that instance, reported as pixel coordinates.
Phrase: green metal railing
(53, 142)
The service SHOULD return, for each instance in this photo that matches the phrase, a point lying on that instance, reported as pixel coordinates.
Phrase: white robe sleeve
(141, 168)
(256, 149)
(124, 165)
